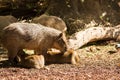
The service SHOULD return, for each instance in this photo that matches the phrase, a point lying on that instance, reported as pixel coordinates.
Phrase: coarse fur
(70, 56)
(37, 61)
(30, 61)
(18, 36)
(75, 59)
(51, 21)
(5, 21)
(33, 61)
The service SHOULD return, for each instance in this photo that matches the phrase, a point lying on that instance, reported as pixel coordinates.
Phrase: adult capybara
(18, 36)
(5, 21)
(51, 21)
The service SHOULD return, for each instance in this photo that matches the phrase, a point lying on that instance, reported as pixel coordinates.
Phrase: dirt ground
(61, 72)
(98, 62)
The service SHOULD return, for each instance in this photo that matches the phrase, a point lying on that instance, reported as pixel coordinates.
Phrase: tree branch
(94, 34)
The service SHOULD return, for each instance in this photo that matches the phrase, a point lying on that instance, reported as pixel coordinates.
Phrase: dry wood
(93, 34)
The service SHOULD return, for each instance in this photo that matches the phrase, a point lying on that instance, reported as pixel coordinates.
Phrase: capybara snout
(60, 43)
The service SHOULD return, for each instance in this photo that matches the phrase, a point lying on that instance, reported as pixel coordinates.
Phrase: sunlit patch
(28, 51)
(53, 51)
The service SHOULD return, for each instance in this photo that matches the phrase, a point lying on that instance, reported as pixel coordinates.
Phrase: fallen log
(81, 38)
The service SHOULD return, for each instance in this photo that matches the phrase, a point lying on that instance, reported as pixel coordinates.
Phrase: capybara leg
(75, 58)
(12, 53)
(39, 62)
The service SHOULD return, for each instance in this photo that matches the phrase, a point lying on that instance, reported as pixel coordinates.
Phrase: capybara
(30, 61)
(70, 56)
(18, 36)
(75, 59)
(37, 61)
(51, 21)
(5, 21)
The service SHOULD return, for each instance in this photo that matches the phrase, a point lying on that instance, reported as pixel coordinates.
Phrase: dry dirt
(98, 62)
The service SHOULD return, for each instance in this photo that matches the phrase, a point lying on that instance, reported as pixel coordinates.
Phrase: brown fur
(30, 61)
(75, 56)
(37, 61)
(18, 36)
(5, 21)
(70, 56)
(51, 21)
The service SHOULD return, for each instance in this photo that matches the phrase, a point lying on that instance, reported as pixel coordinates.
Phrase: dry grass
(102, 54)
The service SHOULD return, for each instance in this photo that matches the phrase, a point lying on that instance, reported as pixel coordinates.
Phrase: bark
(94, 34)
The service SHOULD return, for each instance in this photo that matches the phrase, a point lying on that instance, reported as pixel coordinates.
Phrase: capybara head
(60, 43)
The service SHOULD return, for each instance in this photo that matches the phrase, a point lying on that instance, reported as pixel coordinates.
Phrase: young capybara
(70, 56)
(30, 61)
(18, 36)
(51, 21)
(33, 61)
(37, 61)
(75, 59)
